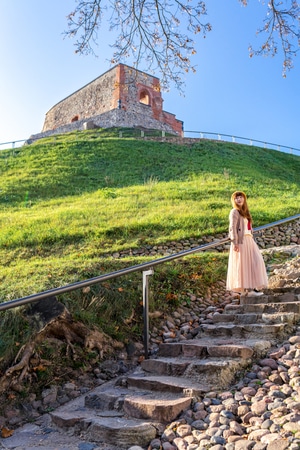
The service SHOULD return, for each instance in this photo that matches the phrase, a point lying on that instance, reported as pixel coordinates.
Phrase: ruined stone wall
(114, 118)
(95, 98)
(122, 88)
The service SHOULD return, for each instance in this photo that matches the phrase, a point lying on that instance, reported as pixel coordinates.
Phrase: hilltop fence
(241, 140)
(187, 134)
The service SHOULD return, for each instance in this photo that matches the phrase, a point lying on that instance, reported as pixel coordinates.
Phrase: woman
(246, 268)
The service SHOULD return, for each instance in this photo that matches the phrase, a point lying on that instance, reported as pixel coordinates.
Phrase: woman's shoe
(255, 293)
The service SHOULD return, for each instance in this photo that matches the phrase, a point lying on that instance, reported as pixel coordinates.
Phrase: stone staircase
(132, 410)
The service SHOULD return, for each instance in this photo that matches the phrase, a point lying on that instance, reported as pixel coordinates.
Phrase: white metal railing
(12, 144)
(241, 140)
(194, 134)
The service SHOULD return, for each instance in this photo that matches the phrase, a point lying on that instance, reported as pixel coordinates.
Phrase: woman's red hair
(243, 210)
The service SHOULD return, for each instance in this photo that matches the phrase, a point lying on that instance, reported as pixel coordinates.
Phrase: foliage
(15, 331)
(161, 33)
(174, 283)
(116, 306)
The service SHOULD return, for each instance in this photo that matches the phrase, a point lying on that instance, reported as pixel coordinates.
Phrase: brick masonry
(121, 97)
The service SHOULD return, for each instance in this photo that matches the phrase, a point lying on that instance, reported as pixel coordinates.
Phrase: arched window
(75, 118)
(144, 97)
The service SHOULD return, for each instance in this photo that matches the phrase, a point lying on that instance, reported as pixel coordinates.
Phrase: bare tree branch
(282, 27)
(158, 32)
(161, 33)
(86, 18)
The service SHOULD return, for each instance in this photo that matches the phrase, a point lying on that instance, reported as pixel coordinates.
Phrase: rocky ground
(260, 412)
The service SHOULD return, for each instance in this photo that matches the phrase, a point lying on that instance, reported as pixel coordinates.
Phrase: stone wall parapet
(108, 120)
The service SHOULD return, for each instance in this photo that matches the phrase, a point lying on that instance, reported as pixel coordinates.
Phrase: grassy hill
(69, 200)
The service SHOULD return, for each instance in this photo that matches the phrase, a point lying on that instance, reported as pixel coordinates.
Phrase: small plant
(226, 173)
(151, 181)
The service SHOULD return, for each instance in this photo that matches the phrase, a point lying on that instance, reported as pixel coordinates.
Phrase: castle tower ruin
(121, 97)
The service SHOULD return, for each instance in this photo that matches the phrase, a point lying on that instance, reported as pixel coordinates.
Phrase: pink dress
(246, 268)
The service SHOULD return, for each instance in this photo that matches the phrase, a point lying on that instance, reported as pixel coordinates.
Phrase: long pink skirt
(246, 268)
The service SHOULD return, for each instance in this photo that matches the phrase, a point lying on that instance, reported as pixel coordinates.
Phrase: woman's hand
(236, 248)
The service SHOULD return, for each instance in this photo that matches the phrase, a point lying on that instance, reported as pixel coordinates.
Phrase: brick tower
(121, 97)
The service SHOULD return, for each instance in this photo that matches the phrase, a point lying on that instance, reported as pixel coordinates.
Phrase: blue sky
(230, 93)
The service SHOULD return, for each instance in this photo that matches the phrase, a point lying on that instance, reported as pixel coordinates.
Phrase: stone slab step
(140, 404)
(122, 433)
(273, 332)
(86, 415)
(259, 345)
(282, 290)
(200, 348)
(110, 399)
(163, 408)
(263, 308)
(168, 384)
(124, 417)
(289, 318)
(280, 298)
(237, 318)
(219, 372)
(117, 431)
(249, 318)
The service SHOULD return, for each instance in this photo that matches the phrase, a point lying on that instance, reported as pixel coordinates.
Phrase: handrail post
(146, 274)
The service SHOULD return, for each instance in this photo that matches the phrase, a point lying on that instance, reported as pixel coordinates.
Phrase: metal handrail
(137, 268)
(146, 268)
(118, 273)
(13, 143)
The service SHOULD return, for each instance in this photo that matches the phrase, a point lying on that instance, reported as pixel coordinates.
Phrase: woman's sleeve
(233, 219)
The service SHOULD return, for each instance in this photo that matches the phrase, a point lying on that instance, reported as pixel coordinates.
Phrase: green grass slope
(69, 200)
(75, 197)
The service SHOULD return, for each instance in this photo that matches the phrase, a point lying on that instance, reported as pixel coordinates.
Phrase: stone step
(217, 372)
(200, 348)
(282, 290)
(237, 318)
(279, 298)
(100, 416)
(248, 318)
(122, 433)
(108, 428)
(129, 411)
(162, 408)
(129, 416)
(166, 383)
(141, 403)
(260, 308)
(273, 332)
